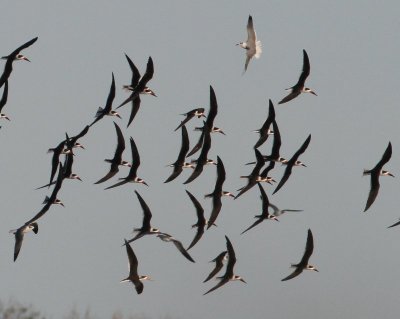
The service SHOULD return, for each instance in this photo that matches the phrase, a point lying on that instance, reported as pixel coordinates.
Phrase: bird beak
(315, 269)
(304, 165)
(62, 204)
(242, 280)
(119, 116)
(152, 93)
(143, 182)
(81, 146)
(222, 132)
(78, 178)
(312, 92)
(231, 195)
(6, 117)
(390, 174)
(26, 59)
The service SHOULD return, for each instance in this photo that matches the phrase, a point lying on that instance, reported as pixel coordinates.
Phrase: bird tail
(366, 172)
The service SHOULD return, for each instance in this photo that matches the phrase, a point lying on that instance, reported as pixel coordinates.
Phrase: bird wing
(309, 249)
(251, 34)
(213, 109)
(373, 193)
(295, 273)
(217, 205)
(306, 70)
(146, 212)
(135, 108)
(222, 282)
(182, 250)
(135, 72)
(290, 96)
(264, 129)
(258, 221)
(4, 96)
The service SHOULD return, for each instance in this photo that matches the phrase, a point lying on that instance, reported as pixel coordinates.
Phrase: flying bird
(299, 87)
(116, 161)
(264, 131)
(146, 228)
(252, 45)
(292, 163)
(142, 84)
(199, 112)
(303, 264)
(375, 173)
(15, 55)
(278, 212)
(201, 221)
(264, 210)
(132, 175)
(217, 194)
(168, 238)
(134, 82)
(180, 163)
(19, 236)
(229, 275)
(107, 110)
(219, 263)
(133, 270)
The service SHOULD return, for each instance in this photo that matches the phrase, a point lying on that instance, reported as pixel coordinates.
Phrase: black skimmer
(168, 238)
(141, 86)
(299, 87)
(278, 212)
(201, 221)
(3, 101)
(199, 112)
(19, 236)
(252, 45)
(264, 174)
(253, 178)
(264, 131)
(116, 161)
(132, 175)
(180, 163)
(229, 275)
(72, 142)
(15, 55)
(202, 159)
(264, 210)
(213, 130)
(209, 123)
(375, 173)
(146, 228)
(107, 110)
(219, 263)
(218, 193)
(134, 82)
(291, 163)
(133, 270)
(303, 264)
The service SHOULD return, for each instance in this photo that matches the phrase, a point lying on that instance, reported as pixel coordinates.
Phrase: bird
(107, 110)
(134, 82)
(252, 45)
(116, 161)
(3, 101)
(199, 112)
(278, 212)
(201, 221)
(264, 210)
(213, 130)
(132, 175)
(264, 131)
(202, 159)
(72, 142)
(209, 123)
(303, 264)
(254, 175)
(218, 193)
(168, 238)
(15, 55)
(219, 263)
(229, 275)
(375, 173)
(299, 87)
(146, 228)
(19, 236)
(291, 163)
(133, 269)
(141, 86)
(180, 163)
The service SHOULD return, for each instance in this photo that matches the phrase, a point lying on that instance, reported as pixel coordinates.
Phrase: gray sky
(77, 259)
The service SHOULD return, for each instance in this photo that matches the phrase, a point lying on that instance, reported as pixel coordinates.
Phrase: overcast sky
(77, 258)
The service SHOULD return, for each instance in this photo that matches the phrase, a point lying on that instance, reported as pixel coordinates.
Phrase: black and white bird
(299, 87)
(303, 264)
(140, 88)
(133, 270)
(199, 112)
(229, 274)
(107, 110)
(252, 45)
(292, 162)
(3, 101)
(134, 82)
(201, 221)
(265, 131)
(132, 175)
(219, 263)
(15, 55)
(116, 161)
(375, 173)
(264, 210)
(19, 236)
(276, 211)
